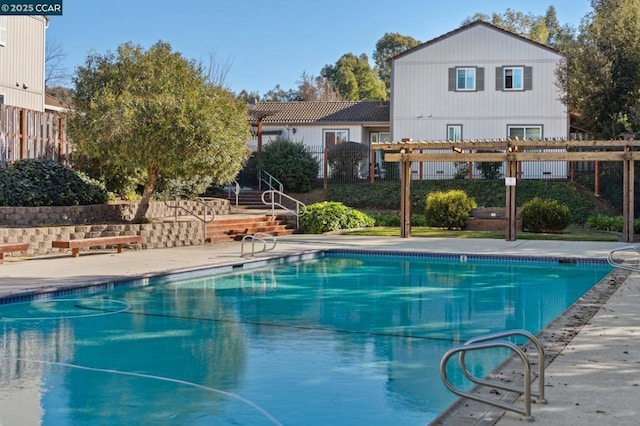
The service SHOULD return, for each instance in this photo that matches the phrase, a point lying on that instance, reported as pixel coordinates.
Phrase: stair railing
(269, 198)
(235, 188)
(205, 218)
(270, 182)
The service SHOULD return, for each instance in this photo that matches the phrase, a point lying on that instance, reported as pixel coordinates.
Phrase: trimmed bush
(449, 209)
(291, 163)
(37, 182)
(548, 215)
(331, 216)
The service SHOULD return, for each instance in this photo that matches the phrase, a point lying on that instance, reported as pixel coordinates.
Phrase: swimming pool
(341, 338)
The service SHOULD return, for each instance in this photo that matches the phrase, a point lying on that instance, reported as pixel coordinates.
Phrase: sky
(262, 44)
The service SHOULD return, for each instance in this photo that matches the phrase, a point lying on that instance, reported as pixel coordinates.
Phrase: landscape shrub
(332, 216)
(603, 222)
(291, 163)
(448, 209)
(547, 215)
(37, 182)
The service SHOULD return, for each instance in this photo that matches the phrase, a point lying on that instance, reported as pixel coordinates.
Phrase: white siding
(422, 105)
(312, 135)
(22, 62)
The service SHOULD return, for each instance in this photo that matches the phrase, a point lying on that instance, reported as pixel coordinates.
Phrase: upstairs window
(525, 132)
(466, 79)
(514, 78)
(454, 132)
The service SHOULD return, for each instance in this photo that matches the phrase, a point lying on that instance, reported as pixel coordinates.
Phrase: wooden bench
(11, 247)
(76, 245)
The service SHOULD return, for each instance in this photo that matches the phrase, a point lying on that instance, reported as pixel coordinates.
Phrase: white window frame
(337, 138)
(513, 78)
(469, 77)
(454, 132)
(525, 131)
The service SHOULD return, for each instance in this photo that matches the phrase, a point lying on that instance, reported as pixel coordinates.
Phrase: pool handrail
(300, 207)
(612, 262)
(490, 341)
(261, 237)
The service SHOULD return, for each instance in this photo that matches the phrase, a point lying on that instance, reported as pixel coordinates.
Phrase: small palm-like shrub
(549, 215)
(449, 209)
(332, 216)
(37, 182)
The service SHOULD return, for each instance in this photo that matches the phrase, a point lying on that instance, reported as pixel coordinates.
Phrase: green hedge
(486, 193)
(36, 182)
(331, 216)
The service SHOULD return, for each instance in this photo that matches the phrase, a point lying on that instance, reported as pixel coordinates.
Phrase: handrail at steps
(612, 262)
(270, 181)
(258, 236)
(235, 188)
(199, 200)
(487, 342)
(300, 208)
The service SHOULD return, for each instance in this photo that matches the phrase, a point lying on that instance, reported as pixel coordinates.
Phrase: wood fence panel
(32, 134)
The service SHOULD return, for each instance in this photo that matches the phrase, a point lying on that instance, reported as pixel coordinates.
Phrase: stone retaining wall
(39, 226)
(154, 235)
(101, 213)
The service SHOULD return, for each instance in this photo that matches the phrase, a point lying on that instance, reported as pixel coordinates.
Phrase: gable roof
(472, 25)
(320, 112)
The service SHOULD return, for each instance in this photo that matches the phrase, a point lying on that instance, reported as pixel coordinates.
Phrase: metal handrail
(271, 181)
(236, 190)
(488, 342)
(612, 262)
(300, 208)
(199, 200)
(258, 236)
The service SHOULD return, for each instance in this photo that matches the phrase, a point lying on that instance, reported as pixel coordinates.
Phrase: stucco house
(478, 82)
(22, 61)
(320, 125)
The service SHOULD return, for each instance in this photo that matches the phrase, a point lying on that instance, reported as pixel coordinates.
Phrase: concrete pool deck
(595, 380)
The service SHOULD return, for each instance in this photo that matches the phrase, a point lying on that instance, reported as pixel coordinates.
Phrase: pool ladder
(490, 341)
(261, 237)
(634, 267)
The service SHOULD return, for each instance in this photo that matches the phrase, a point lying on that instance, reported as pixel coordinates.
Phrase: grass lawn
(569, 234)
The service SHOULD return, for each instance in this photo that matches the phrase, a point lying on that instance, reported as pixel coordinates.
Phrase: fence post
(325, 161)
(23, 133)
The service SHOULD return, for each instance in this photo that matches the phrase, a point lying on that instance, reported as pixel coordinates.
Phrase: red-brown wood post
(596, 187)
(372, 165)
(405, 195)
(511, 205)
(325, 161)
(24, 133)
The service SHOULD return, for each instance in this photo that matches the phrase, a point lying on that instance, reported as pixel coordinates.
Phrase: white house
(22, 61)
(478, 82)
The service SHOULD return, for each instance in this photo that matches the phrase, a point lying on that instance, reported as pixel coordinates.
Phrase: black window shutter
(499, 78)
(479, 79)
(528, 78)
(452, 79)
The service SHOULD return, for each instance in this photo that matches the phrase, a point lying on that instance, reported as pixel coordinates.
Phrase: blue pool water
(342, 339)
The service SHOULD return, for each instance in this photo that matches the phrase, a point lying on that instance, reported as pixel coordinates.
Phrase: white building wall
(422, 105)
(22, 61)
(311, 135)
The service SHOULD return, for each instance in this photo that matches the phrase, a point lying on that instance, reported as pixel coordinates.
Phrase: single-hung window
(513, 78)
(465, 79)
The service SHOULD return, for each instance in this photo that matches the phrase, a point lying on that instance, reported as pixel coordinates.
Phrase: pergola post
(405, 195)
(628, 196)
(511, 205)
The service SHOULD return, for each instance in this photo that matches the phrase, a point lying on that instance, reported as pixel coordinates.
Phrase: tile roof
(320, 112)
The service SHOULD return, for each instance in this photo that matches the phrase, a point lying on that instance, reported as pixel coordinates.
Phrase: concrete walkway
(594, 381)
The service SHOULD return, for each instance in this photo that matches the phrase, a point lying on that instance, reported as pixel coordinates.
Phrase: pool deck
(594, 381)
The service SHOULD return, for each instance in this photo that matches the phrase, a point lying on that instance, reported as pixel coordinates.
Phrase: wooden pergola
(511, 152)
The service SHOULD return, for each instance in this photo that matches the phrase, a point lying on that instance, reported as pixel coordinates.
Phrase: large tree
(390, 45)
(541, 28)
(155, 114)
(601, 75)
(354, 78)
